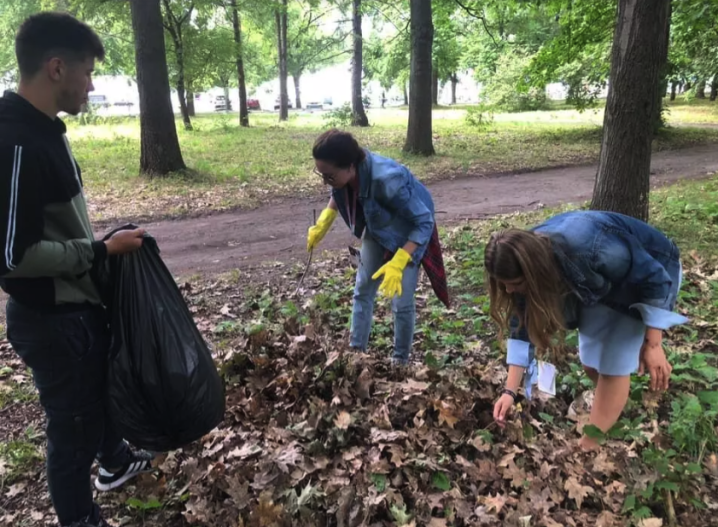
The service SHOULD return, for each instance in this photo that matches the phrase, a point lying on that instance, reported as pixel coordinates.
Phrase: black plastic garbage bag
(164, 388)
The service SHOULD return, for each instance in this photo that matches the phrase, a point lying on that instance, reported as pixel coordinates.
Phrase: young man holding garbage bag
(55, 320)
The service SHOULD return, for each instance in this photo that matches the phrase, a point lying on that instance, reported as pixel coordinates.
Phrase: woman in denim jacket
(385, 205)
(613, 277)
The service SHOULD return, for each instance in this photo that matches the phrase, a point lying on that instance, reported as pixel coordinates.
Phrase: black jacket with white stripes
(49, 248)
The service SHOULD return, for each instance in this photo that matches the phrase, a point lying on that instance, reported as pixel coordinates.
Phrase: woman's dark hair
(338, 148)
(47, 35)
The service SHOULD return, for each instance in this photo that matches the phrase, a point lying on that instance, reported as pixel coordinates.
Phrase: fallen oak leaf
(446, 413)
(603, 464)
(606, 519)
(267, 513)
(495, 502)
(196, 510)
(386, 436)
(479, 444)
(245, 451)
(576, 491)
(363, 385)
(343, 420)
(239, 492)
(413, 387)
(288, 456)
(651, 522)
(15, 490)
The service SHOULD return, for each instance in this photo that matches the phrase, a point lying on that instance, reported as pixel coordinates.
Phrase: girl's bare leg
(608, 403)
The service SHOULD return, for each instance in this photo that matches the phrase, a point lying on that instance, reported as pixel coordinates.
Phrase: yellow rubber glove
(393, 271)
(318, 231)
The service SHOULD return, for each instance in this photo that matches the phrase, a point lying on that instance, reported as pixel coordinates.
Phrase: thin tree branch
(474, 14)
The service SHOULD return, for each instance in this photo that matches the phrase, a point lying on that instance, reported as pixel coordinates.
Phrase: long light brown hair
(516, 254)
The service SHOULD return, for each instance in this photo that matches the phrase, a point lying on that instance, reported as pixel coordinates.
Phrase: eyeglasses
(328, 178)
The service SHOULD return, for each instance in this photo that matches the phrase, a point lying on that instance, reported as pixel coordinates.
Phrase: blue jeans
(372, 258)
(68, 354)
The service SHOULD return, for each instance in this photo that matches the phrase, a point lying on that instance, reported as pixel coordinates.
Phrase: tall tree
(359, 117)
(663, 73)
(623, 179)
(419, 133)
(160, 150)
(175, 24)
(241, 79)
(281, 17)
(309, 47)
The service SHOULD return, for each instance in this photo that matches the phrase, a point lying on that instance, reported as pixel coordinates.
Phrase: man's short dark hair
(47, 35)
(338, 148)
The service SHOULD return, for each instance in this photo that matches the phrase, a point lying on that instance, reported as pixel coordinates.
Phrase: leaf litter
(316, 434)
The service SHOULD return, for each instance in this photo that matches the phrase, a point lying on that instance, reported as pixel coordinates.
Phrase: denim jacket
(611, 259)
(397, 207)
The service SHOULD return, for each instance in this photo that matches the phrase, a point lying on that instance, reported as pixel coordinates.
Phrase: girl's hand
(502, 408)
(653, 361)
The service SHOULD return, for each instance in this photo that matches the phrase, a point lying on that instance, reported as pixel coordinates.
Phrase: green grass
(12, 392)
(232, 167)
(20, 456)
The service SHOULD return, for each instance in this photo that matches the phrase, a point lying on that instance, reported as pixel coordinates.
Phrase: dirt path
(243, 238)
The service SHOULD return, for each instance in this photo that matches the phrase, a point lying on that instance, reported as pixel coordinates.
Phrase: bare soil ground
(277, 232)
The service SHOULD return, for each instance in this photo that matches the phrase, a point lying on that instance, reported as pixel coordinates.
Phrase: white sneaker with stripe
(140, 463)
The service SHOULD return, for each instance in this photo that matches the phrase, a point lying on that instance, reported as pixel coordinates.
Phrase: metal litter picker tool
(309, 261)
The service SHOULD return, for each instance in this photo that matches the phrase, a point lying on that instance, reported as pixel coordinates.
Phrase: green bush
(506, 89)
(339, 117)
(480, 116)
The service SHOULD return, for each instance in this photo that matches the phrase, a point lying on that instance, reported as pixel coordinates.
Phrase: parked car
(253, 104)
(221, 104)
(314, 105)
(276, 104)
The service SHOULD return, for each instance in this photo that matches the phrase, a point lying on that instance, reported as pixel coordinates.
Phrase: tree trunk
(228, 101)
(714, 88)
(623, 178)
(406, 95)
(184, 108)
(687, 86)
(454, 84)
(701, 89)
(175, 31)
(658, 121)
(281, 20)
(435, 84)
(419, 134)
(241, 79)
(297, 90)
(190, 104)
(159, 146)
(674, 90)
(359, 117)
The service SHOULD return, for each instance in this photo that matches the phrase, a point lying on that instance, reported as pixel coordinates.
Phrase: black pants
(68, 355)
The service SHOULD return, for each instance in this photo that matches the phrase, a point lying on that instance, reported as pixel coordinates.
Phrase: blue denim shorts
(609, 341)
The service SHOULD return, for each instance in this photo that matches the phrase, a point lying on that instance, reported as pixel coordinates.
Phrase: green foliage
(692, 424)
(507, 90)
(19, 456)
(339, 117)
(480, 117)
(400, 515)
(441, 481)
